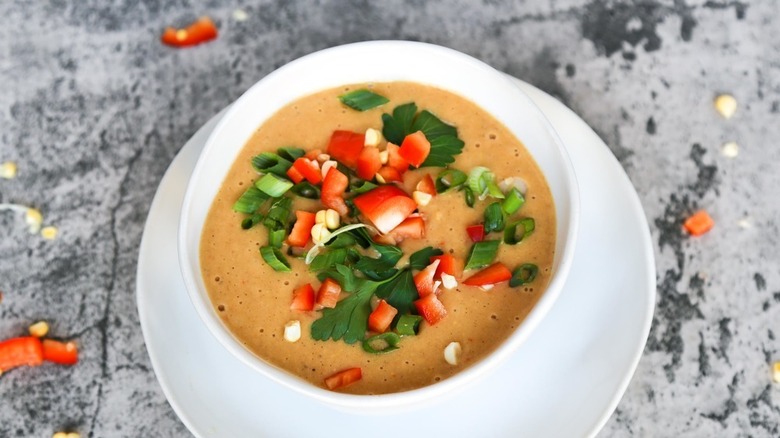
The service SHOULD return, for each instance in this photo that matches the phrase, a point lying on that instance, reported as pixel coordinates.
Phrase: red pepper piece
(430, 308)
(385, 206)
(426, 185)
(313, 154)
(448, 264)
(699, 223)
(389, 174)
(196, 33)
(303, 298)
(368, 163)
(495, 273)
(333, 188)
(301, 232)
(343, 378)
(395, 160)
(381, 318)
(423, 280)
(415, 148)
(412, 227)
(295, 175)
(345, 146)
(20, 351)
(476, 232)
(64, 353)
(309, 169)
(329, 292)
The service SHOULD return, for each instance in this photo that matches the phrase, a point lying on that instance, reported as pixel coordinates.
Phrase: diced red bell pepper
(395, 160)
(63, 353)
(329, 292)
(385, 206)
(476, 232)
(301, 231)
(426, 185)
(343, 378)
(495, 273)
(415, 148)
(333, 188)
(368, 163)
(413, 227)
(309, 169)
(389, 174)
(198, 32)
(345, 146)
(294, 175)
(20, 351)
(303, 298)
(380, 319)
(448, 264)
(423, 280)
(430, 308)
(313, 154)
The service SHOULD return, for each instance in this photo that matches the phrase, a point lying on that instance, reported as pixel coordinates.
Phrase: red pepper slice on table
(200, 31)
(64, 353)
(431, 308)
(495, 273)
(16, 352)
(343, 378)
(301, 231)
(415, 148)
(380, 319)
(328, 295)
(333, 188)
(303, 298)
(345, 146)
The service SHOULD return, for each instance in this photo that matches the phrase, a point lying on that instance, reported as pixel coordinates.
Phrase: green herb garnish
(329, 259)
(526, 226)
(276, 237)
(250, 201)
(408, 325)
(362, 100)
(279, 214)
(482, 253)
(494, 218)
(271, 163)
(444, 140)
(400, 292)
(469, 196)
(422, 258)
(361, 186)
(272, 185)
(290, 153)
(449, 179)
(251, 221)
(381, 343)
(524, 273)
(275, 259)
(513, 201)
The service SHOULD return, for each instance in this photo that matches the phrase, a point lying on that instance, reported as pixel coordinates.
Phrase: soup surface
(253, 299)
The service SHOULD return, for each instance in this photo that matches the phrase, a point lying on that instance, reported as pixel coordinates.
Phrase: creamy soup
(254, 300)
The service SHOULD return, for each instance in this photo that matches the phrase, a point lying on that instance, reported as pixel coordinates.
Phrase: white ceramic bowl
(378, 61)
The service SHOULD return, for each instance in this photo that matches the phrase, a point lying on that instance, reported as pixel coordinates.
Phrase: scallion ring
(306, 190)
(524, 274)
(510, 232)
(469, 195)
(271, 163)
(494, 218)
(513, 201)
(407, 325)
(387, 342)
(449, 179)
(273, 185)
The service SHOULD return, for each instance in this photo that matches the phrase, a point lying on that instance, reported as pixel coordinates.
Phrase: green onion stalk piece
(275, 259)
(276, 237)
(381, 343)
(306, 190)
(476, 182)
(513, 201)
(251, 200)
(482, 253)
(469, 195)
(408, 325)
(362, 100)
(290, 153)
(494, 218)
(449, 179)
(511, 231)
(273, 185)
(524, 274)
(251, 221)
(271, 163)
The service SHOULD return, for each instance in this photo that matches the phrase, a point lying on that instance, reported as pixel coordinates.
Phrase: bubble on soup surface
(221, 308)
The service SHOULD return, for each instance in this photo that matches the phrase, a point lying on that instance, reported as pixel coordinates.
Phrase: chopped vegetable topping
(523, 274)
(443, 138)
(726, 105)
(730, 149)
(430, 308)
(20, 351)
(526, 227)
(415, 148)
(345, 147)
(8, 170)
(39, 329)
(476, 232)
(196, 33)
(452, 353)
(495, 273)
(482, 253)
(776, 372)
(362, 100)
(381, 343)
(303, 298)
(699, 223)
(343, 378)
(292, 331)
(329, 292)
(380, 319)
(408, 325)
(63, 353)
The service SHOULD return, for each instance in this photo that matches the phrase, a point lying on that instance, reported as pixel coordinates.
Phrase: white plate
(565, 381)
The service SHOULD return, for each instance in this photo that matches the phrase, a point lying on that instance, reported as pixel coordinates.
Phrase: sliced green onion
(407, 325)
(276, 237)
(275, 259)
(306, 189)
(272, 185)
(524, 274)
(251, 221)
(482, 253)
(362, 187)
(469, 195)
(381, 343)
(250, 201)
(510, 233)
(476, 182)
(494, 218)
(492, 187)
(269, 162)
(290, 153)
(513, 201)
(279, 214)
(363, 99)
(449, 179)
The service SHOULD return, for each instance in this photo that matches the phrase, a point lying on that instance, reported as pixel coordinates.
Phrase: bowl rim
(463, 378)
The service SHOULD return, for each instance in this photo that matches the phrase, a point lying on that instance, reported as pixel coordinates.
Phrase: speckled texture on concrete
(93, 109)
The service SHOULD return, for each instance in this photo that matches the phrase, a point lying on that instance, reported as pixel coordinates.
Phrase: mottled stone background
(93, 109)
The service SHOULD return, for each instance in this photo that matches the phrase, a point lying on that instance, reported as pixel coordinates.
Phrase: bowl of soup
(378, 224)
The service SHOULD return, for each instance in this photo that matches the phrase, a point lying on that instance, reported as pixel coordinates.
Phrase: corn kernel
(448, 281)
(319, 218)
(240, 15)
(33, 218)
(380, 179)
(486, 287)
(49, 233)
(372, 138)
(60, 435)
(776, 372)
(39, 329)
(8, 170)
(726, 105)
(326, 166)
(332, 219)
(292, 331)
(729, 149)
(321, 158)
(72, 435)
(319, 233)
(421, 198)
(384, 156)
(452, 353)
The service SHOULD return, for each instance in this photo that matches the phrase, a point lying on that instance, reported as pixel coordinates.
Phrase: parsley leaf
(349, 319)
(331, 258)
(422, 258)
(399, 292)
(445, 143)
(397, 126)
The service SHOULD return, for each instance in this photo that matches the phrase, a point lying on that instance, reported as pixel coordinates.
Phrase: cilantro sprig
(405, 120)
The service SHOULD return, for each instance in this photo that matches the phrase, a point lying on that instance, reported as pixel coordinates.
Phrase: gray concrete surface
(93, 109)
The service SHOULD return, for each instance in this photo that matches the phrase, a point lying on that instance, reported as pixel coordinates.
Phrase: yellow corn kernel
(39, 329)
(292, 331)
(776, 372)
(421, 198)
(319, 233)
(240, 15)
(372, 138)
(60, 435)
(49, 233)
(332, 219)
(33, 218)
(726, 105)
(319, 217)
(730, 149)
(384, 156)
(8, 170)
(72, 435)
(452, 353)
